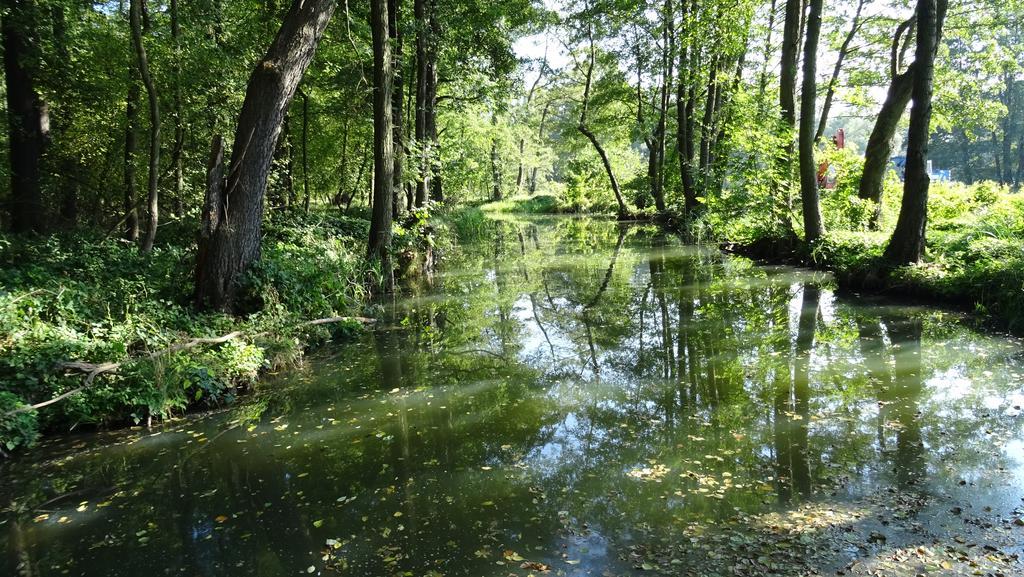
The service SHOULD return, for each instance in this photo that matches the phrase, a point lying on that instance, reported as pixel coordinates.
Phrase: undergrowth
(84, 297)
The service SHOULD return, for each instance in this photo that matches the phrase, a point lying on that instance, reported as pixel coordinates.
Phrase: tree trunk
(27, 116)
(69, 166)
(179, 127)
(908, 239)
(814, 228)
(436, 184)
(422, 17)
(379, 248)
(228, 249)
(497, 193)
(684, 118)
(707, 128)
(1007, 142)
(540, 136)
(305, 151)
(762, 84)
(788, 70)
(585, 129)
(879, 147)
(153, 204)
(397, 101)
(667, 62)
(131, 213)
(521, 173)
(844, 51)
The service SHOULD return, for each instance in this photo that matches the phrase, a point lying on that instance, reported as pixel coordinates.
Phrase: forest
(660, 252)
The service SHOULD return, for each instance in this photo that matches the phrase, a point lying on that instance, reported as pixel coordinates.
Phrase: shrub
(86, 297)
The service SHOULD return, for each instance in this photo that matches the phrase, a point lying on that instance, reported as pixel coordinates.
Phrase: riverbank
(974, 259)
(85, 298)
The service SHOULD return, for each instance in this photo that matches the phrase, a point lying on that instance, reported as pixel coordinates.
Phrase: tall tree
(142, 61)
(585, 129)
(433, 50)
(844, 51)
(685, 100)
(907, 243)
(879, 147)
(131, 114)
(497, 192)
(178, 160)
(814, 228)
(787, 76)
(397, 101)
(27, 115)
(379, 248)
(233, 216)
(422, 15)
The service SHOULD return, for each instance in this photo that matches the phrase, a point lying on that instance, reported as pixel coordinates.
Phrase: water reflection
(568, 393)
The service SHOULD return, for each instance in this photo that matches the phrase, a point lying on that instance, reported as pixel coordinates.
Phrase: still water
(570, 397)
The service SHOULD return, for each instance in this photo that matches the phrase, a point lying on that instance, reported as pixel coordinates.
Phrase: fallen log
(93, 370)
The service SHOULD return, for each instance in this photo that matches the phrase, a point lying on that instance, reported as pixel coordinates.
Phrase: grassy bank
(544, 203)
(85, 297)
(974, 258)
(975, 253)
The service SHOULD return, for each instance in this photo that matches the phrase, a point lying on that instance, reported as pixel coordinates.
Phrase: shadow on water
(577, 396)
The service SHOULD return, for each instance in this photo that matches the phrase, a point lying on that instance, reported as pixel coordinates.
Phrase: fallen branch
(92, 370)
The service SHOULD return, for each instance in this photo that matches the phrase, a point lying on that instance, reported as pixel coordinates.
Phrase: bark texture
(142, 62)
(907, 243)
(379, 248)
(229, 246)
(814, 228)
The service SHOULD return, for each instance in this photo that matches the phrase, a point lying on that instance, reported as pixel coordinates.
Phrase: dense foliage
(684, 112)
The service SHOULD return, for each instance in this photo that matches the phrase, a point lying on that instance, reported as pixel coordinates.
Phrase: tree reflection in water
(562, 390)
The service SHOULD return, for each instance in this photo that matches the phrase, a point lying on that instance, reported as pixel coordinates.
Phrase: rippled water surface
(570, 397)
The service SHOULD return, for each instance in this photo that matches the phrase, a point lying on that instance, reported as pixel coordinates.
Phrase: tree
(814, 228)
(397, 101)
(879, 147)
(179, 130)
(135, 17)
(585, 129)
(907, 242)
(684, 113)
(27, 115)
(844, 51)
(379, 248)
(131, 113)
(787, 76)
(424, 71)
(233, 216)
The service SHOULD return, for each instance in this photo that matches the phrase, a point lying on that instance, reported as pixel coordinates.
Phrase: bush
(86, 297)
(15, 430)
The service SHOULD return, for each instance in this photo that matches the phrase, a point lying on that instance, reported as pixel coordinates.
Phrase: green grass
(537, 204)
(974, 257)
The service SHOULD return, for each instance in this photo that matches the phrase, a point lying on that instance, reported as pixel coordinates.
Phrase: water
(573, 396)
